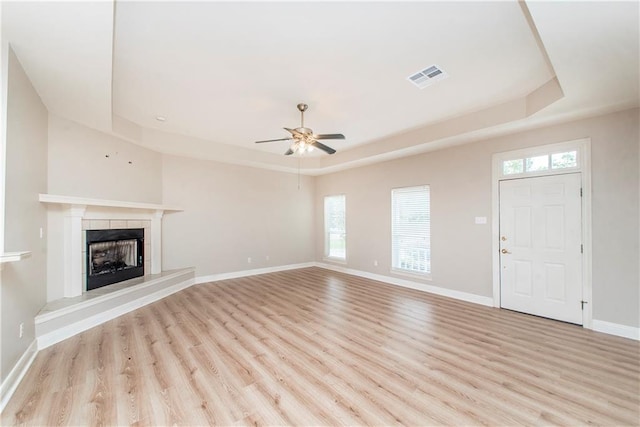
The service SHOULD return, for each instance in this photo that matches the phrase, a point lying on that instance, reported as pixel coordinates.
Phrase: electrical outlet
(249, 260)
(375, 263)
(266, 258)
(21, 330)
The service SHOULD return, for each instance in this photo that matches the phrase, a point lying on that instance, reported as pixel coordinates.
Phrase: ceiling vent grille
(427, 76)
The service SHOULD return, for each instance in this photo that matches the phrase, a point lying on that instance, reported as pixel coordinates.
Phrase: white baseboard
(254, 272)
(616, 329)
(19, 370)
(68, 331)
(463, 296)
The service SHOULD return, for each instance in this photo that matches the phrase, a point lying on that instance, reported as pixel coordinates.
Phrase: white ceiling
(225, 74)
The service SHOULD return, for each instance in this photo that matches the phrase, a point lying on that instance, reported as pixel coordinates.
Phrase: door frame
(583, 148)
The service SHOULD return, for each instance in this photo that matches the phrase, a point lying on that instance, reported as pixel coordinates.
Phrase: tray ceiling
(225, 74)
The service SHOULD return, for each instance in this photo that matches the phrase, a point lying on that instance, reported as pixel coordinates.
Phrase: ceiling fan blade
(293, 132)
(329, 136)
(288, 152)
(273, 140)
(323, 147)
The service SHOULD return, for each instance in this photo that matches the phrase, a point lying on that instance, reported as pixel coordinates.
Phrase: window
(537, 163)
(335, 232)
(545, 162)
(567, 159)
(411, 229)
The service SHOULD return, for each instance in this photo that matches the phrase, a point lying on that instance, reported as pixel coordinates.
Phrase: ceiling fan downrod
(302, 108)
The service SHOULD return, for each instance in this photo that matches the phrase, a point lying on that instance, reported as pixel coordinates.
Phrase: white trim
(73, 200)
(437, 290)
(584, 152)
(68, 331)
(4, 88)
(156, 241)
(616, 329)
(11, 382)
(254, 272)
(14, 256)
(587, 286)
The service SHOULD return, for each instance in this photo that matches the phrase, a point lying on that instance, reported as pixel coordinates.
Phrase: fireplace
(114, 256)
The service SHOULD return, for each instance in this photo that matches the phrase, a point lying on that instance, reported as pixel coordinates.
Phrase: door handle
(504, 251)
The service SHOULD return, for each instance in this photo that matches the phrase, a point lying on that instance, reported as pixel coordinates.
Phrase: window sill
(422, 276)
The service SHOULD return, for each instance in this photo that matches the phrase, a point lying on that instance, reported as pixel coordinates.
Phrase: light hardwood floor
(315, 347)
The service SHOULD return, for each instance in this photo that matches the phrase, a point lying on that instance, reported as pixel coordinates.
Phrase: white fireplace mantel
(78, 208)
(82, 201)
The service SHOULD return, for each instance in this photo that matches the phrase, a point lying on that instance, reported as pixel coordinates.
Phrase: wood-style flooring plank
(316, 347)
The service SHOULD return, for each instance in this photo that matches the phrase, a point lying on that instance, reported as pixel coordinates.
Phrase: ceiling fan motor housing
(305, 131)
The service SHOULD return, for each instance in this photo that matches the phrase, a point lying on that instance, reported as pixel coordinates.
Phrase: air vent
(427, 76)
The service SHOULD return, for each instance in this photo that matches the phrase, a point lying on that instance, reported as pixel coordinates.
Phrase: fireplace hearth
(114, 256)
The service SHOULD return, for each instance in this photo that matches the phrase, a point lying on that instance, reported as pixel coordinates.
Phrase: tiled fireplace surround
(81, 214)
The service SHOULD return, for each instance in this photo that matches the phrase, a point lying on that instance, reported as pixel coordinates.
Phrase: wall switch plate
(375, 263)
(481, 220)
(41, 233)
(21, 330)
(249, 260)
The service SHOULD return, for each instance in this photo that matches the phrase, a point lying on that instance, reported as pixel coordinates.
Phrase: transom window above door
(540, 163)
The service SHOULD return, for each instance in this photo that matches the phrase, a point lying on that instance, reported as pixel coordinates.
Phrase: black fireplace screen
(114, 256)
(108, 257)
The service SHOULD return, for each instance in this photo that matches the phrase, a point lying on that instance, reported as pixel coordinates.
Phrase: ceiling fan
(303, 139)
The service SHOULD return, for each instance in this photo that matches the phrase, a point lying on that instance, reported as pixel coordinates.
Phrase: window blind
(411, 229)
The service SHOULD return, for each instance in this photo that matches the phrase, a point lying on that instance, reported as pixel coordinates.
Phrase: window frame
(548, 150)
(395, 262)
(327, 231)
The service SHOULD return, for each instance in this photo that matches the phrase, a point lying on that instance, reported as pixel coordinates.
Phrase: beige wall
(23, 290)
(78, 165)
(234, 212)
(460, 180)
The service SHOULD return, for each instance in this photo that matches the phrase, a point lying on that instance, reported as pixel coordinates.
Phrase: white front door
(540, 246)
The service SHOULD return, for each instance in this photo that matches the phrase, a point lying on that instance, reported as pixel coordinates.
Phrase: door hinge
(581, 249)
(582, 303)
(580, 191)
